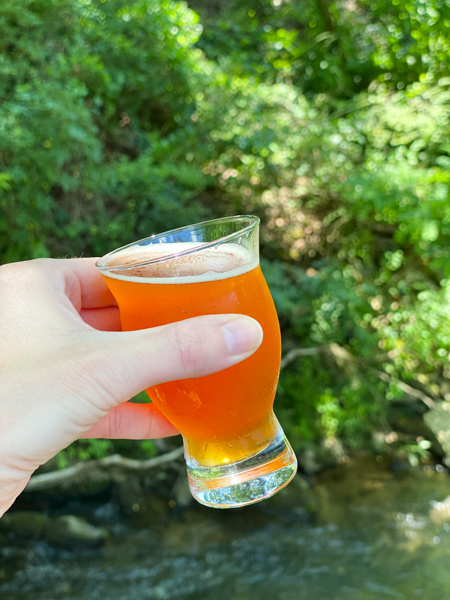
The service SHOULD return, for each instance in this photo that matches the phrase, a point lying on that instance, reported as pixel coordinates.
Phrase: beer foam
(211, 264)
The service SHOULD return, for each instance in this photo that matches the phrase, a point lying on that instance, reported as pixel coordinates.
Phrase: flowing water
(367, 533)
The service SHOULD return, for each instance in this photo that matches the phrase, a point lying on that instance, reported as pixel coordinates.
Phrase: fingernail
(242, 335)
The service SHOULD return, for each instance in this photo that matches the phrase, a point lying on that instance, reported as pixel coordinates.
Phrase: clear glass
(236, 452)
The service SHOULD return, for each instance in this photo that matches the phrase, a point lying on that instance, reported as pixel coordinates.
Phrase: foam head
(171, 265)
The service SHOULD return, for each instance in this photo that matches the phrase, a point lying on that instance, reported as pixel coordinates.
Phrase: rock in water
(438, 421)
(440, 511)
(69, 530)
(24, 523)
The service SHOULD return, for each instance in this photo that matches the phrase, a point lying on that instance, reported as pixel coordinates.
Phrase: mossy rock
(69, 530)
(25, 523)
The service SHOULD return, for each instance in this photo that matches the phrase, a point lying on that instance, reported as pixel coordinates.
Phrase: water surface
(366, 533)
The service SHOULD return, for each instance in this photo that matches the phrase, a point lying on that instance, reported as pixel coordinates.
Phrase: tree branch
(407, 389)
(338, 352)
(296, 352)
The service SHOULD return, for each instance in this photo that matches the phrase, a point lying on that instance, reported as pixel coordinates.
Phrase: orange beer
(226, 416)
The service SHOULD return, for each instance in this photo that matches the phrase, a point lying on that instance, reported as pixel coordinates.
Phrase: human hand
(66, 369)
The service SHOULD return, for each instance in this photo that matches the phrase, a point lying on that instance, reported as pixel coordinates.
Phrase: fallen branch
(93, 470)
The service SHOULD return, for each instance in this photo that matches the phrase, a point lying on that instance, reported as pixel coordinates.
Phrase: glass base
(250, 480)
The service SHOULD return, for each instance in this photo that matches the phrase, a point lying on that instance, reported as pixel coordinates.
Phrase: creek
(363, 531)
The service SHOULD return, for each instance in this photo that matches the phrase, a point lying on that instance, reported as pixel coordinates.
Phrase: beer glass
(235, 450)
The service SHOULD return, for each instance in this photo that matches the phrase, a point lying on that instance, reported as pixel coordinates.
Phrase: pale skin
(67, 369)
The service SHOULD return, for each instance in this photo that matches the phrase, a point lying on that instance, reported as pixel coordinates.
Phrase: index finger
(85, 286)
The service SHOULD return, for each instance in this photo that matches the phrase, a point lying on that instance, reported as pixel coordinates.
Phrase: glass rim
(101, 263)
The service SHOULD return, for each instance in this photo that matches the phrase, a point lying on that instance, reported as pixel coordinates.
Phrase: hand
(66, 369)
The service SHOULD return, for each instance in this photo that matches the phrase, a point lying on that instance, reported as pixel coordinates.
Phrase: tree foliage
(330, 120)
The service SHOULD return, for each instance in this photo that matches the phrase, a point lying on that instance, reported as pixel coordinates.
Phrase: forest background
(328, 119)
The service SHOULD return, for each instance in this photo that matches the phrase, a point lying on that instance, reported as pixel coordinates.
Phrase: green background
(328, 119)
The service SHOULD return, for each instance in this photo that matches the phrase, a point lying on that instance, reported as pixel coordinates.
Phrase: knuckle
(115, 421)
(190, 347)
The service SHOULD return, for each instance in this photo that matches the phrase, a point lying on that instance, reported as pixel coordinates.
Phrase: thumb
(125, 363)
